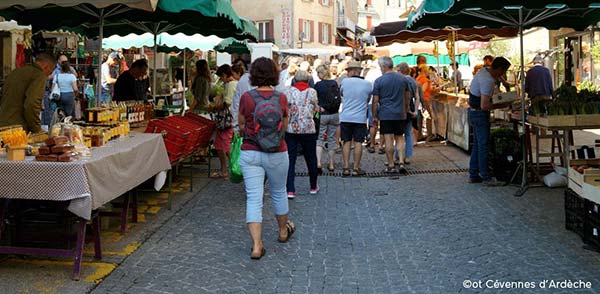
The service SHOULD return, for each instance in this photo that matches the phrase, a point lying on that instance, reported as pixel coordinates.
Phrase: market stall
(86, 183)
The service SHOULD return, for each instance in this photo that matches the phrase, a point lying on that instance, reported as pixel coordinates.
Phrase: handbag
(55, 94)
(235, 150)
(223, 118)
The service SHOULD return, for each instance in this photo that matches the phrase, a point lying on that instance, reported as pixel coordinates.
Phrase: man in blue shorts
(355, 93)
(392, 93)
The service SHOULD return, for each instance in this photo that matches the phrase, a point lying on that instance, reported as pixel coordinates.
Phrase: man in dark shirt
(538, 81)
(130, 85)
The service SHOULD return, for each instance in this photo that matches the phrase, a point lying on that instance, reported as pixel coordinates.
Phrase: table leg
(3, 207)
(566, 147)
(78, 252)
(96, 225)
(192, 173)
(169, 200)
(125, 212)
(134, 207)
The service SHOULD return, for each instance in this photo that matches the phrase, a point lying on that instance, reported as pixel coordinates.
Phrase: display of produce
(568, 108)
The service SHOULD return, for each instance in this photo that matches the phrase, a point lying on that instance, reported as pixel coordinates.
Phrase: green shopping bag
(235, 172)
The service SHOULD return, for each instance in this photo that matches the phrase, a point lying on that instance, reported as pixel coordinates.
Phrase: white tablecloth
(88, 183)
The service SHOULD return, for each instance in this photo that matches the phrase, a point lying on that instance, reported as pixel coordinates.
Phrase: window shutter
(320, 28)
(300, 26)
(312, 31)
(271, 29)
(329, 31)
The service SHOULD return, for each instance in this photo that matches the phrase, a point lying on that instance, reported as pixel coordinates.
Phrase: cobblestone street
(423, 233)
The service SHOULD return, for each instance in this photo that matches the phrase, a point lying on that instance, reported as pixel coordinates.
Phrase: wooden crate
(586, 185)
(591, 192)
(591, 120)
(533, 119)
(557, 121)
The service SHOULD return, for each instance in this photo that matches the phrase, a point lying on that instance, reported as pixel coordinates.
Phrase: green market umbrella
(164, 43)
(390, 32)
(231, 45)
(521, 14)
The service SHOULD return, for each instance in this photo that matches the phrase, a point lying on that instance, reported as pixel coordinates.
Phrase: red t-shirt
(247, 107)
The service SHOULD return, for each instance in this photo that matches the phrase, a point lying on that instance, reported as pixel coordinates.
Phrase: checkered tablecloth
(88, 183)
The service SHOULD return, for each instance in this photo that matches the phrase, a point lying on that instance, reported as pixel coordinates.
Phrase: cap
(354, 64)
(114, 55)
(538, 59)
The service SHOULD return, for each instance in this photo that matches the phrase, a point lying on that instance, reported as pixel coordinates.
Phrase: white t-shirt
(483, 83)
(104, 69)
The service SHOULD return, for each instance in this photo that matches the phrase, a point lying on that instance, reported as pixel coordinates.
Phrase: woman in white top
(67, 82)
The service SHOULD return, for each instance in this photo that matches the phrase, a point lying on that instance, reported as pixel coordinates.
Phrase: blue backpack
(268, 121)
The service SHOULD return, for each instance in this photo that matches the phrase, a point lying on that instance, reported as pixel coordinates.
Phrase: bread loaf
(62, 148)
(57, 140)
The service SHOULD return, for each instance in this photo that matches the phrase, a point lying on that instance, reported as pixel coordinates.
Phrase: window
(388, 2)
(306, 28)
(265, 30)
(325, 2)
(324, 33)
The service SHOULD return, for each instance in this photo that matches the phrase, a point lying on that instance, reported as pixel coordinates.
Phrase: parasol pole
(155, 33)
(184, 76)
(100, 59)
(524, 184)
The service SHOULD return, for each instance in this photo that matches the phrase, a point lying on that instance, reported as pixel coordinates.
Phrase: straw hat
(354, 65)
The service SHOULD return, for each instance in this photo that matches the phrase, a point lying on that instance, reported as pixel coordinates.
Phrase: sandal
(371, 149)
(216, 175)
(381, 151)
(402, 169)
(257, 257)
(358, 172)
(331, 168)
(291, 228)
(346, 172)
(390, 170)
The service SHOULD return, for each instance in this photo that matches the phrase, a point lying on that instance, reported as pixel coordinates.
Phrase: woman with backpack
(328, 93)
(263, 117)
(301, 130)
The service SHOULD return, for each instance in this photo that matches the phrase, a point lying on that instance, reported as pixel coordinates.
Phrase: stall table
(450, 118)
(88, 183)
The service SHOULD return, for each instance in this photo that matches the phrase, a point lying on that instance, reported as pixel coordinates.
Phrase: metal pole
(184, 76)
(154, 67)
(524, 140)
(100, 60)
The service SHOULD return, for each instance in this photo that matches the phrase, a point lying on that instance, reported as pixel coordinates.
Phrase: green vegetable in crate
(565, 93)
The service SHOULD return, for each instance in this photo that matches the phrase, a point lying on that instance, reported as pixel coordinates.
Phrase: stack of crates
(209, 125)
(575, 214)
(183, 135)
(176, 139)
(591, 228)
(194, 131)
(582, 216)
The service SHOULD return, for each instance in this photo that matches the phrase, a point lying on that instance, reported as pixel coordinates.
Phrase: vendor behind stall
(22, 93)
(538, 81)
(480, 102)
(133, 84)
